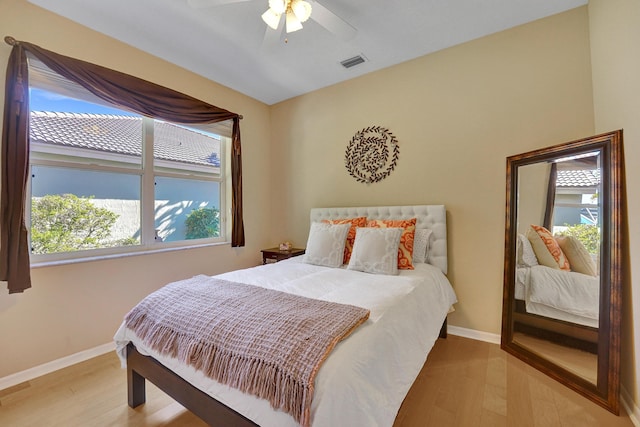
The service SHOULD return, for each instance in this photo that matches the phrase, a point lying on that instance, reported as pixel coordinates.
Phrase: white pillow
(421, 245)
(325, 245)
(525, 253)
(375, 250)
(578, 255)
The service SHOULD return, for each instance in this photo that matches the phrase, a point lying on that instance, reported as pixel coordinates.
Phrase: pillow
(547, 249)
(405, 249)
(375, 250)
(351, 236)
(525, 255)
(577, 254)
(421, 245)
(325, 245)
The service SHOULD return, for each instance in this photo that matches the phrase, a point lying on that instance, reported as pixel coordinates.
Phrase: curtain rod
(13, 42)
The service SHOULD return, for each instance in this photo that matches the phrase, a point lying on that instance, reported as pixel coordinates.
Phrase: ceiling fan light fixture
(271, 18)
(278, 6)
(301, 9)
(293, 23)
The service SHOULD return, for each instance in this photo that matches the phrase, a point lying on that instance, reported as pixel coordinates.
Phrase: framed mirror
(562, 266)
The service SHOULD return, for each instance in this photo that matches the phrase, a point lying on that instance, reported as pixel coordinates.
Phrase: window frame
(147, 171)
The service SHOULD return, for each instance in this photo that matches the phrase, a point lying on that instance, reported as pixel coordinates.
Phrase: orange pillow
(550, 244)
(405, 250)
(351, 236)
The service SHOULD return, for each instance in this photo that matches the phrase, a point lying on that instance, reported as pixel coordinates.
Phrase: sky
(41, 100)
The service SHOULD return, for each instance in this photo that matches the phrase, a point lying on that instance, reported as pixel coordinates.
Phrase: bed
(554, 304)
(366, 376)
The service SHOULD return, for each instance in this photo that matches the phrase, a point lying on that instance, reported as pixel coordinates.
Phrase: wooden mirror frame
(606, 390)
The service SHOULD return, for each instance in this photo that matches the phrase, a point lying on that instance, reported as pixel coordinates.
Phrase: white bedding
(366, 377)
(563, 295)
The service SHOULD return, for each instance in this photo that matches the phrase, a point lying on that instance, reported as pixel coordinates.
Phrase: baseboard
(629, 406)
(474, 334)
(54, 365)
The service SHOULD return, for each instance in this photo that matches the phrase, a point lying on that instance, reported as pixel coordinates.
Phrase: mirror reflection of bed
(557, 288)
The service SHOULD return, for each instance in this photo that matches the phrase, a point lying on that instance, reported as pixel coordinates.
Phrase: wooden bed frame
(558, 331)
(211, 411)
(215, 413)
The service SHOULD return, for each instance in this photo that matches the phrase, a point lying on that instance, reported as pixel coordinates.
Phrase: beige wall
(79, 306)
(615, 32)
(533, 181)
(457, 115)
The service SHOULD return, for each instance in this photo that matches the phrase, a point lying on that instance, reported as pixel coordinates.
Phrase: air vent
(352, 62)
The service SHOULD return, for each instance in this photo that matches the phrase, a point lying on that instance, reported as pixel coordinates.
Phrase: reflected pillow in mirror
(547, 250)
(375, 250)
(421, 245)
(525, 253)
(325, 245)
(577, 254)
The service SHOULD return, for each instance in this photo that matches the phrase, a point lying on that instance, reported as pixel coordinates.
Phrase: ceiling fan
(293, 13)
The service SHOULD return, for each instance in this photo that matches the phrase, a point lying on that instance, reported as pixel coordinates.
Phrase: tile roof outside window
(578, 178)
(122, 135)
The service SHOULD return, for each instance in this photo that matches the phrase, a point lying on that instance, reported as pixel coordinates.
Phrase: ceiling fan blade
(200, 4)
(331, 21)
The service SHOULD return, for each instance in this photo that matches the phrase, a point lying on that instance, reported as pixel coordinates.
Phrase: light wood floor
(579, 362)
(463, 383)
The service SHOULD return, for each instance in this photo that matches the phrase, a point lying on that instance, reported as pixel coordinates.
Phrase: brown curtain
(128, 92)
(14, 249)
(237, 225)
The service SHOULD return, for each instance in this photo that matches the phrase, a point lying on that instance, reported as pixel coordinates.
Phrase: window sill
(145, 251)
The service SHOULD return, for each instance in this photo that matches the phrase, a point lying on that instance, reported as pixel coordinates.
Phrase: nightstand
(275, 254)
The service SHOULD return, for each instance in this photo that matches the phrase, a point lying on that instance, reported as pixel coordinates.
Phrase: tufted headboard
(433, 217)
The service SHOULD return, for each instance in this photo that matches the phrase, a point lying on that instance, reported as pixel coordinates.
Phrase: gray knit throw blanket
(263, 342)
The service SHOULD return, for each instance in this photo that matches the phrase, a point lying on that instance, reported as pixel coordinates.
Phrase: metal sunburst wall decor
(372, 154)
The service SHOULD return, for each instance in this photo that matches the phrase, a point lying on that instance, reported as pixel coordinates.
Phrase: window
(578, 185)
(107, 181)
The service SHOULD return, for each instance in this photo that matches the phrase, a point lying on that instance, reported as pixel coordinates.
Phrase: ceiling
(226, 43)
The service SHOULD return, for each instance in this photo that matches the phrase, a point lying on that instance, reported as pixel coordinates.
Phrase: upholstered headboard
(433, 217)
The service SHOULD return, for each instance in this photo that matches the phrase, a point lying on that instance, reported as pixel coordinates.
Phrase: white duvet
(565, 295)
(365, 379)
